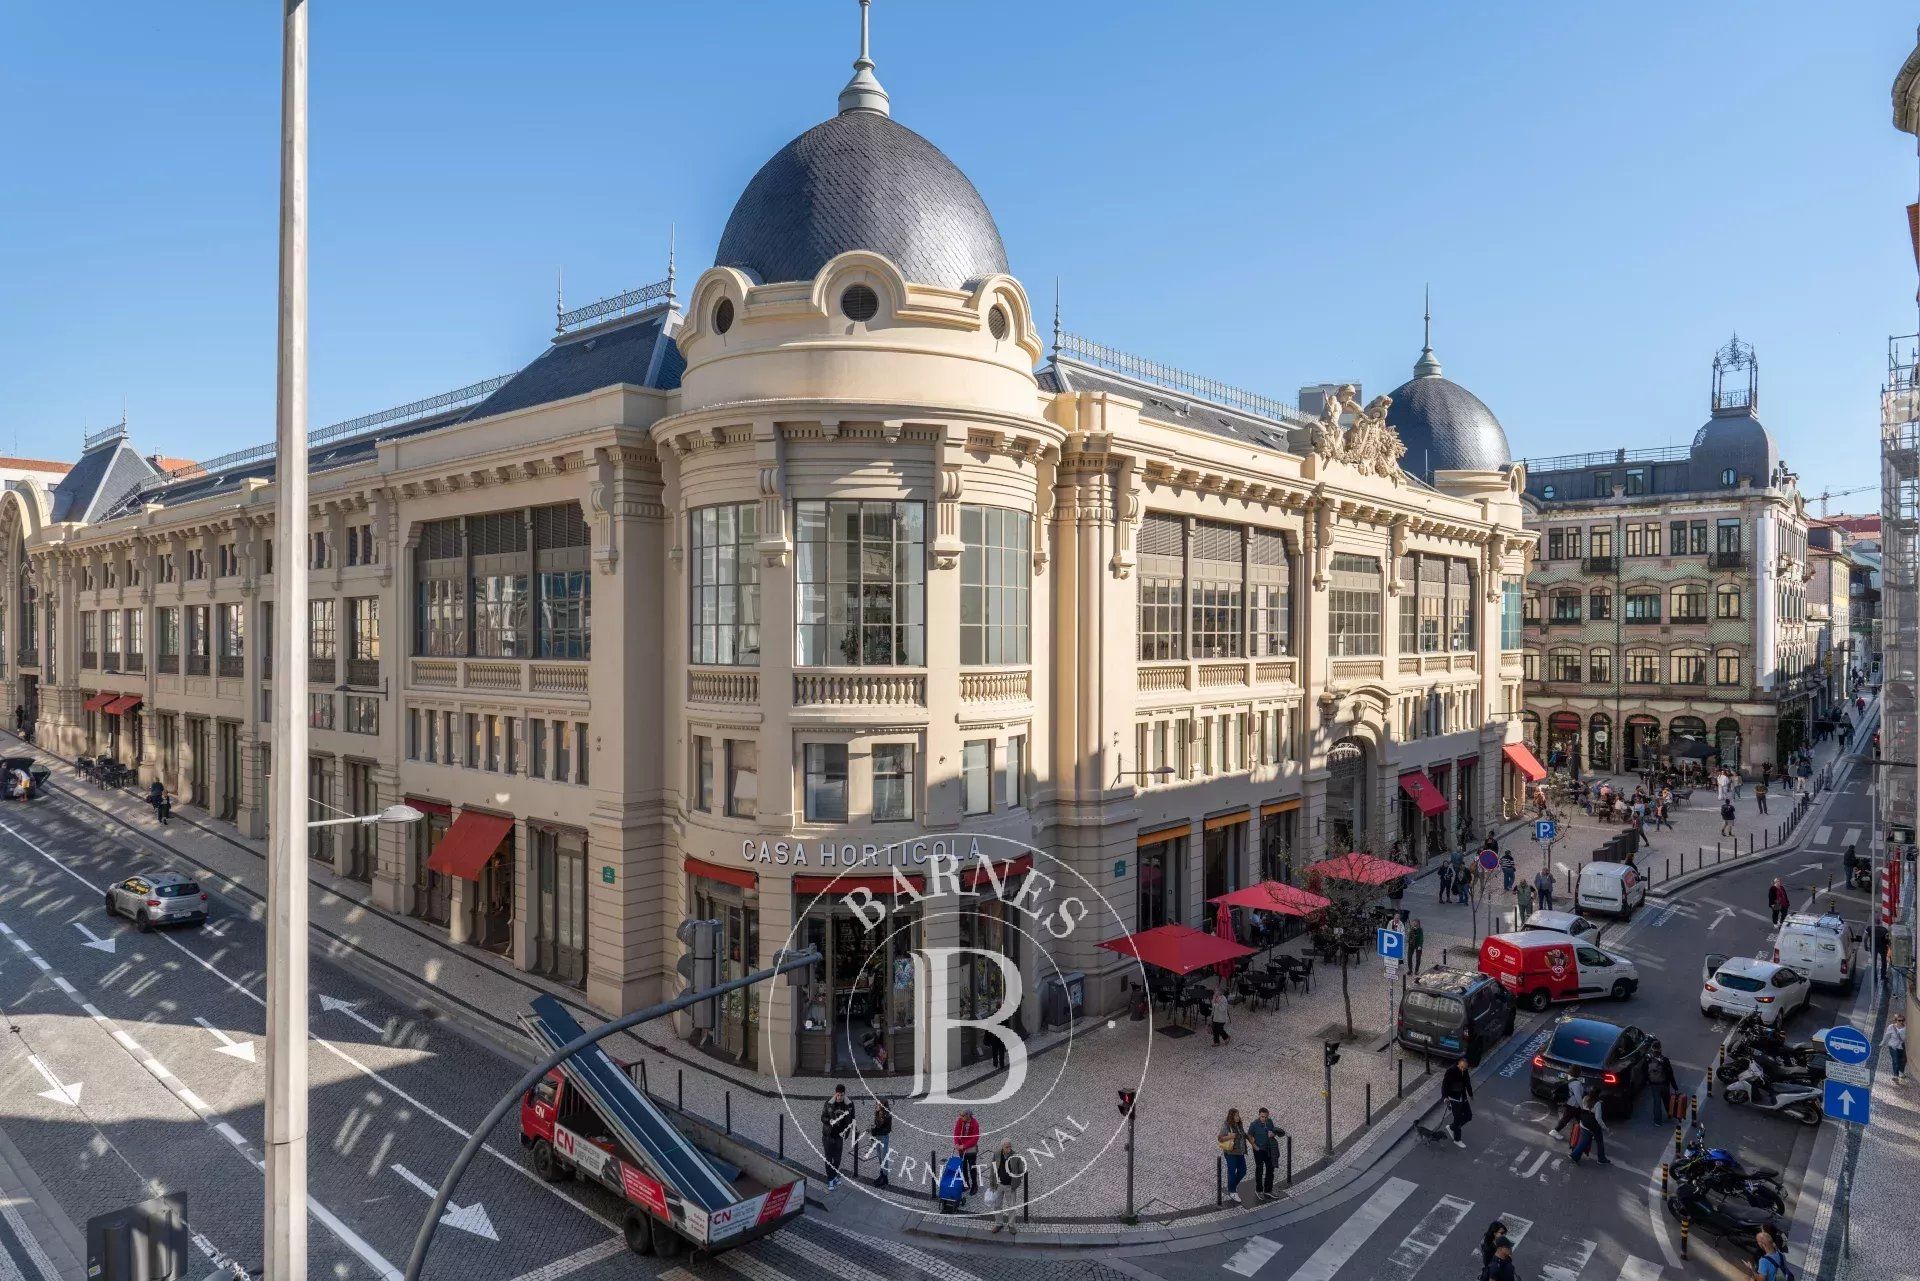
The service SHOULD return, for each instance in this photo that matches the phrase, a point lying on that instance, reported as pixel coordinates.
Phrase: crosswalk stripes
(837, 1265)
(1567, 1267)
(1640, 1270)
(929, 1265)
(1517, 1228)
(1252, 1256)
(1821, 833)
(1351, 1235)
(1419, 1245)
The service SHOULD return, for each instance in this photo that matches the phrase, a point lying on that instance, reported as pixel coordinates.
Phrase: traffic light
(1126, 1102)
(1332, 1052)
(700, 968)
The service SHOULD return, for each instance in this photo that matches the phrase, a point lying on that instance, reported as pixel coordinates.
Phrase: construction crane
(1825, 494)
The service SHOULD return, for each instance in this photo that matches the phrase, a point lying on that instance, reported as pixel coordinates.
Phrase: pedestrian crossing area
(815, 1249)
(1450, 1225)
(1824, 836)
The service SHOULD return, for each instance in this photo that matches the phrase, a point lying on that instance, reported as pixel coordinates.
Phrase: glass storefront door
(860, 1014)
(560, 907)
(738, 1035)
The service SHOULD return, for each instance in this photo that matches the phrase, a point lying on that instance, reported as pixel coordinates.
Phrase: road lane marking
(58, 1093)
(1638, 1269)
(1419, 1245)
(423, 1108)
(575, 1262)
(1252, 1256)
(932, 1265)
(1539, 1160)
(751, 1268)
(1852, 837)
(836, 1265)
(1517, 1228)
(1354, 1233)
(1823, 834)
(1566, 1267)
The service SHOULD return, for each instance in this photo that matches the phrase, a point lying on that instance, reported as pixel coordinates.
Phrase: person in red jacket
(966, 1141)
(1778, 901)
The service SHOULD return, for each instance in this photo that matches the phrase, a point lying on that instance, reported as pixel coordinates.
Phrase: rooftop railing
(620, 304)
(1100, 356)
(1608, 458)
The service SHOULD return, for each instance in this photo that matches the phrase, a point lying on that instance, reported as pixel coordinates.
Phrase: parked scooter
(1776, 1068)
(1724, 1217)
(1796, 1100)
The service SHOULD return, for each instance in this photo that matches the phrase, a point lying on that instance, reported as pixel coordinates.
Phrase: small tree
(1346, 916)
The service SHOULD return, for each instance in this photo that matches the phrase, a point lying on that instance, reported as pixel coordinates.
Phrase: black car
(1610, 1057)
(1454, 1012)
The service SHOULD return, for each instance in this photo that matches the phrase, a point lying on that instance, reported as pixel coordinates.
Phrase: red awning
(1007, 870)
(1524, 761)
(122, 705)
(468, 844)
(848, 884)
(431, 807)
(97, 702)
(1275, 896)
(739, 876)
(1361, 869)
(1179, 948)
(1424, 793)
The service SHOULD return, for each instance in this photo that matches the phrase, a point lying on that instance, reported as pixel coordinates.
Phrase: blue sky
(1598, 194)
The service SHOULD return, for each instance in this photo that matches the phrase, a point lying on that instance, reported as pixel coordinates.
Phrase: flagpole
(285, 1237)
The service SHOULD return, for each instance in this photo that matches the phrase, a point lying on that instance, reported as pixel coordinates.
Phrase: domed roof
(1733, 440)
(1444, 426)
(861, 181)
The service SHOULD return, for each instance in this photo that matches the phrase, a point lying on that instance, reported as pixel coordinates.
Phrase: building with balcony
(826, 565)
(1669, 598)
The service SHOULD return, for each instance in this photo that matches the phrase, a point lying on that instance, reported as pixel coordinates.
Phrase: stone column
(392, 845)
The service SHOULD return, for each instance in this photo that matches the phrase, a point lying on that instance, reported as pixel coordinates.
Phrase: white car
(1737, 986)
(1570, 923)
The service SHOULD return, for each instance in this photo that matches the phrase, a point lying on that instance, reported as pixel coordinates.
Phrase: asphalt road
(134, 1064)
(1423, 1209)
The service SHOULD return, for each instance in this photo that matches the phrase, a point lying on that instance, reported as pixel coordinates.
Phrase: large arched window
(1643, 607)
(1643, 667)
(1600, 742)
(1564, 606)
(1600, 603)
(1726, 667)
(1687, 603)
(1726, 601)
(1691, 728)
(1564, 665)
(1726, 739)
(1600, 665)
(1643, 741)
(1688, 666)
(1530, 611)
(1530, 665)
(29, 614)
(1563, 739)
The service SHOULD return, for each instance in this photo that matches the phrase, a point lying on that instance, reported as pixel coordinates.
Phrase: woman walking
(1233, 1147)
(880, 1130)
(1489, 1242)
(1217, 1016)
(1896, 1042)
(1456, 1088)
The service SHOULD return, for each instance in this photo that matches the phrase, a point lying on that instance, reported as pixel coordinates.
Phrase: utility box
(1063, 998)
(144, 1242)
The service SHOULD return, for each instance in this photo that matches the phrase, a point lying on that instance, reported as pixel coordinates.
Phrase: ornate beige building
(705, 606)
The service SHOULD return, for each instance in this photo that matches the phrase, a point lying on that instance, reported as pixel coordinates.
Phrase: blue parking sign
(1391, 944)
(1543, 830)
(1846, 1102)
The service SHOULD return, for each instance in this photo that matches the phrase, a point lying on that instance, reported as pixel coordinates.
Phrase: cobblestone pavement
(1879, 1214)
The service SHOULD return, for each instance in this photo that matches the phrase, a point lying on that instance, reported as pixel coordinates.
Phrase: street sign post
(1855, 1074)
(1391, 944)
(1849, 1103)
(1848, 1045)
(1544, 830)
(1489, 860)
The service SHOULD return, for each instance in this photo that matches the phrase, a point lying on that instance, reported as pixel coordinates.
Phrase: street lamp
(392, 814)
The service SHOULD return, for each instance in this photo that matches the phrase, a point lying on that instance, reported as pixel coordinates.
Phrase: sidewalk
(37, 1239)
(1878, 1215)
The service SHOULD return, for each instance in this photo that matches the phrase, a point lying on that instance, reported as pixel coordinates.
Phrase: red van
(1541, 966)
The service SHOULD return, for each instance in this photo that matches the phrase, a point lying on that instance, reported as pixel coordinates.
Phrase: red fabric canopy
(98, 701)
(1361, 869)
(1525, 761)
(1276, 896)
(1424, 793)
(1179, 948)
(468, 844)
(122, 705)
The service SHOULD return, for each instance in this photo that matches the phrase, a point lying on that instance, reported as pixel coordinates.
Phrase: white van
(1612, 888)
(1824, 948)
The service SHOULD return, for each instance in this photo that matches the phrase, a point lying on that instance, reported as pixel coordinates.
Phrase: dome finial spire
(1428, 364)
(863, 92)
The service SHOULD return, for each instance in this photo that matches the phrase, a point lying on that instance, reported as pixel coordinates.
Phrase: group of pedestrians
(958, 1180)
(1261, 1141)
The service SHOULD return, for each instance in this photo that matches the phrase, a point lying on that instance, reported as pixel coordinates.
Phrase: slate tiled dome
(1732, 441)
(1444, 426)
(861, 181)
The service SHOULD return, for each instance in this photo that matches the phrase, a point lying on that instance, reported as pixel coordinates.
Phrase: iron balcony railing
(197, 664)
(89, 658)
(233, 665)
(632, 300)
(320, 670)
(363, 672)
(1101, 356)
(110, 661)
(1602, 564)
(136, 662)
(1729, 560)
(169, 664)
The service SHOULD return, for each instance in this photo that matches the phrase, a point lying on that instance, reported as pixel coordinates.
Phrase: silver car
(159, 898)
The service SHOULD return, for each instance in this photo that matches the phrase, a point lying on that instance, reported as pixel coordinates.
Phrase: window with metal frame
(1353, 606)
(860, 581)
(1162, 600)
(723, 612)
(996, 580)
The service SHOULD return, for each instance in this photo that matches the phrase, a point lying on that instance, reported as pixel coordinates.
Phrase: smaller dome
(1733, 440)
(1444, 426)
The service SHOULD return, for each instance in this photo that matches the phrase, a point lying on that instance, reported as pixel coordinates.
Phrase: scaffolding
(1899, 582)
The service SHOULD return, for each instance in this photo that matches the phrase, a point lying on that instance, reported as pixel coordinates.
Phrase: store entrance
(860, 1014)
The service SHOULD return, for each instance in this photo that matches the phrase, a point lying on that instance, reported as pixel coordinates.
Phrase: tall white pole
(286, 1219)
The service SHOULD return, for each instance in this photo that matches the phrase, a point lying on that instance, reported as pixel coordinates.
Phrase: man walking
(1456, 1089)
(1896, 1042)
(1778, 901)
(1882, 949)
(1416, 943)
(836, 1123)
(1543, 889)
(1760, 792)
(1726, 818)
(1264, 1137)
(1506, 870)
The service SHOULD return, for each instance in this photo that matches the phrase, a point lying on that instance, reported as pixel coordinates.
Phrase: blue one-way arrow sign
(1849, 1103)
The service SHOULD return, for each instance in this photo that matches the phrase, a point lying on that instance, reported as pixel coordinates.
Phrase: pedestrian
(1233, 1147)
(165, 807)
(1882, 949)
(154, 793)
(1524, 897)
(1446, 882)
(1760, 792)
(1739, 782)
(1543, 889)
(1896, 1042)
(1396, 891)
(1493, 840)
(1771, 1265)
(1660, 815)
(1726, 818)
(1416, 944)
(1263, 1136)
(1506, 870)
(1456, 1088)
(1778, 901)
(836, 1123)
(1003, 1197)
(1570, 1106)
(966, 1141)
(1490, 1243)
(1592, 1133)
(1501, 1269)
(880, 1130)
(20, 719)
(1217, 1016)
(1661, 1083)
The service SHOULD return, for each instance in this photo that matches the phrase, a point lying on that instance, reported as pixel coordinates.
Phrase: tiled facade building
(827, 560)
(1669, 598)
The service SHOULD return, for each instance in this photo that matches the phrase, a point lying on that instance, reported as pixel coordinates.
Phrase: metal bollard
(1666, 868)
(1693, 1107)
(1663, 1178)
(643, 1077)
(729, 1102)
(1399, 1078)
(1426, 1062)
(1749, 842)
(1369, 1102)
(1289, 1160)
(783, 1135)
(1676, 1140)
(1686, 1226)
(1219, 1180)
(1026, 1197)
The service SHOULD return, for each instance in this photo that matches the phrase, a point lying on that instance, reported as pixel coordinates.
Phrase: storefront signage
(606, 874)
(845, 854)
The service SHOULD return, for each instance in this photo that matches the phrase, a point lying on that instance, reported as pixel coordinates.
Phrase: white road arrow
(1806, 867)
(468, 1218)
(94, 941)
(238, 1049)
(334, 1005)
(67, 1094)
(1720, 916)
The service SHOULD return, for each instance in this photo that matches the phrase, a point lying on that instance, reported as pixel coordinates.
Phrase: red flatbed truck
(588, 1118)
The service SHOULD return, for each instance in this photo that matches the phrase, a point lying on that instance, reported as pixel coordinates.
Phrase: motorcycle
(1799, 1101)
(1750, 1032)
(1717, 1181)
(1699, 1156)
(1775, 1068)
(1723, 1217)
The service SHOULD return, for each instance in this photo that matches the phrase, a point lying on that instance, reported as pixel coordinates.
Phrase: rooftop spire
(1429, 364)
(863, 92)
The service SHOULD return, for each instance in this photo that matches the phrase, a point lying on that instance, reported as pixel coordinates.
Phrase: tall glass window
(724, 612)
(1162, 609)
(1459, 606)
(892, 782)
(1217, 591)
(440, 568)
(860, 578)
(826, 782)
(1270, 593)
(502, 611)
(743, 777)
(976, 776)
(1511, 610)
(323, 637)
(996, 577)
(363, 628)
(560, 915)
(1353, 612)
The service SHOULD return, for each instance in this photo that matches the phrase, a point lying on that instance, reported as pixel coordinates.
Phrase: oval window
(1727, 478)
(997, 323)
(859, 302)
(723, 316)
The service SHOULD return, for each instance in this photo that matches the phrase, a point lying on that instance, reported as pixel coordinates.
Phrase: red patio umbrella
(1276, 896)
(1180, 949)
(1360, 868)
(1223, 929)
